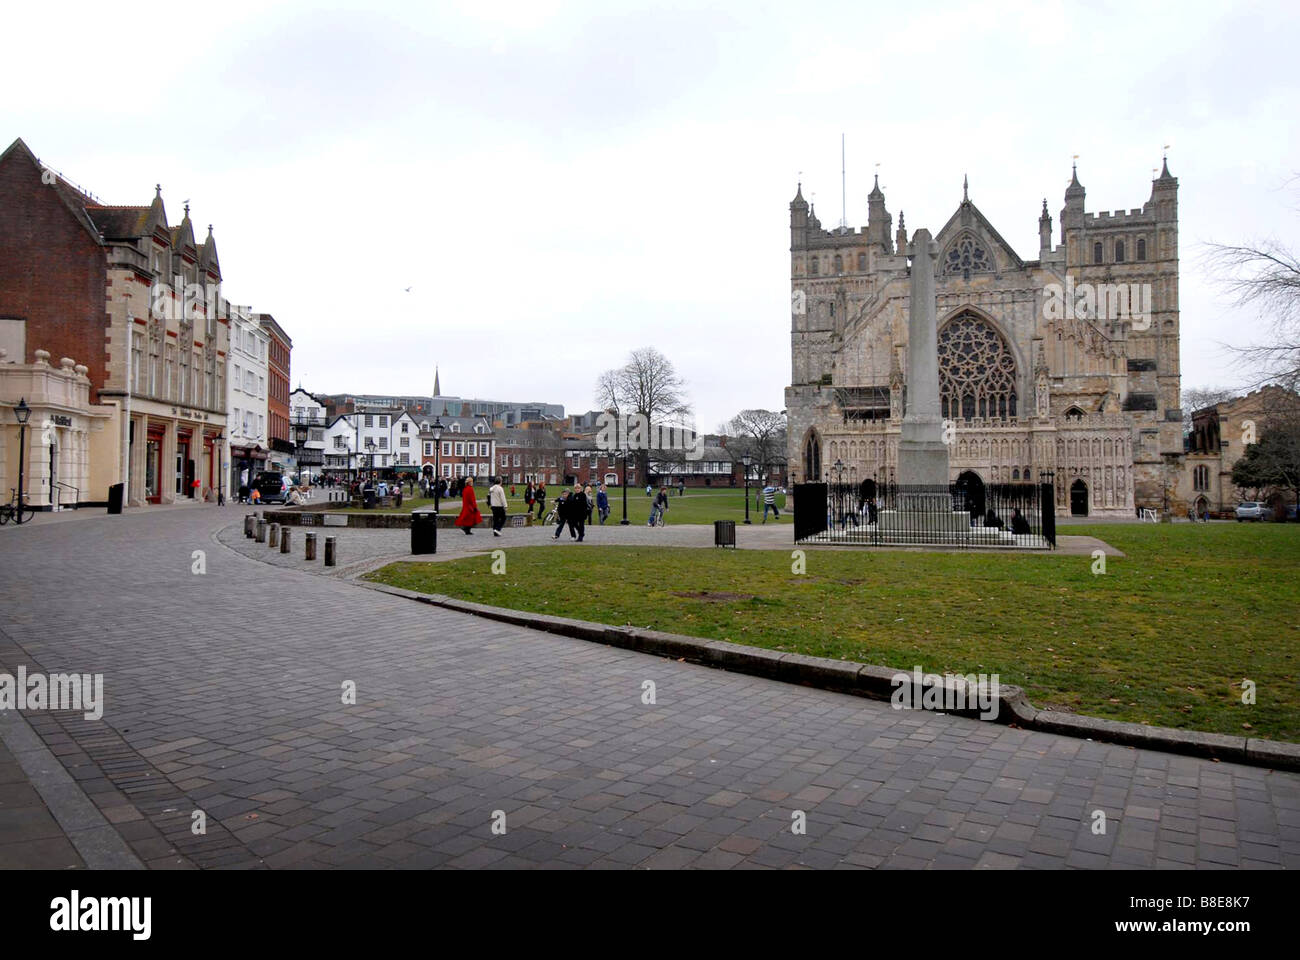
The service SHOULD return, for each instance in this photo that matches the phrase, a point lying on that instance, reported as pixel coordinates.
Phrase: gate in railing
(966, 514)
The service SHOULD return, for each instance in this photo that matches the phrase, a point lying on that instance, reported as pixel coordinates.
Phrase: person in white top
(497, 501)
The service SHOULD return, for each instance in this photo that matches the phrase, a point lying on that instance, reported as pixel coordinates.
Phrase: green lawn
(1165, 636)
(696, 506)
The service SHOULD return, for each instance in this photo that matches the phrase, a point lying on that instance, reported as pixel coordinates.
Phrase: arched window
(1015, 473)
(1096, 252)
(812, 458)
(813, 267)
(1074, 413)
(839, 264)
(977, 371)
(1142, 248)
(1119, 251)
(862, 263)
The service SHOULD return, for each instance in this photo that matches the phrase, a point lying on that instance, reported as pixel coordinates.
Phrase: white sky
(560, 183)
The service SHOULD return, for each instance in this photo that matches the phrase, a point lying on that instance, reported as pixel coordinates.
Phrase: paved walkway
(224, 698)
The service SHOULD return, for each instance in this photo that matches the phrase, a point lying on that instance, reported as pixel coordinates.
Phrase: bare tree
(1266, 277)
(646, 385)
(761, 434)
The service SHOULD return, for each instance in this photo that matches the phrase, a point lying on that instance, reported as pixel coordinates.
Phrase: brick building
(138, 302)
(279, 435)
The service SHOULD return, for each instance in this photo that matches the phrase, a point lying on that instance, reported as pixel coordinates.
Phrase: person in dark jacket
(602, 503)
(579, 511)
(539, 495)
(562, 515)
(1019, 524)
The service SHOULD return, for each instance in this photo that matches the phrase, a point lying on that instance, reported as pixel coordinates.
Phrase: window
(169, 383)
(340, 442)
(383, 443)
(446, 448)
(137, 361)
(1142, 248)
(446, 469)
(237, 380)
(460, 449)
(428, 449)
(455, 428)
(234, 420)
(317, 436)
(403, 458)
(505, 459)
(369, 421)
(966, 256)
(1119, 251)
(530, 463)
(383, 422)
(405, 442)
(839, 264)
(1096, 252)
(404, 426)
(813, 267)
(977, 371)
(862, 263)
(1074, 413)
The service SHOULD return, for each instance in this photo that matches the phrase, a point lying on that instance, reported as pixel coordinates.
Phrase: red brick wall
(277, 390)
(53, 274)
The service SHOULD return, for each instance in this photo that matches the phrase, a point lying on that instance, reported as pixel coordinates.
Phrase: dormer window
(1074, 413)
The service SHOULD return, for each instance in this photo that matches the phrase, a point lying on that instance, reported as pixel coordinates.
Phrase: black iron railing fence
(1010, 515)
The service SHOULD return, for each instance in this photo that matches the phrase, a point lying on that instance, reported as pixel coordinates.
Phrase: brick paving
(224, 695)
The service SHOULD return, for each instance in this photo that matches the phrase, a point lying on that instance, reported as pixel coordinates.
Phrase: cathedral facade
(1067, 363)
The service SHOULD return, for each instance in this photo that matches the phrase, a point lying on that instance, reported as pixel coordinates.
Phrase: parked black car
(272, 487)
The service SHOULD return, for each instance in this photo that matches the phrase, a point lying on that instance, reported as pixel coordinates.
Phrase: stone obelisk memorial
(922, 454)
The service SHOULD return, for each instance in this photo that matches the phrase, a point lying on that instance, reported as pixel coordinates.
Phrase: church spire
(437, 388)
(965, 188)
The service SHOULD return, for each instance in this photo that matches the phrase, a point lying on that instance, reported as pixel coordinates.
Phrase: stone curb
(875, 683)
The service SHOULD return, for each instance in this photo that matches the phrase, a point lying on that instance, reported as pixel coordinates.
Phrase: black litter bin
(115, 497)
(424, 531)
(724, 533)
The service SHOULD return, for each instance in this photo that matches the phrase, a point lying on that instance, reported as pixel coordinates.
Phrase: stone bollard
(259, 534)
(249, 520)
(273, 539)
(311, 546)
(284, 540)
(329, 551)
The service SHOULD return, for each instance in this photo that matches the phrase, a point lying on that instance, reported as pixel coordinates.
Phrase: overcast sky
(559, 183)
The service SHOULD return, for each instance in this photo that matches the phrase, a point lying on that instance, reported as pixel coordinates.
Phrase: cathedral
(1067, 363)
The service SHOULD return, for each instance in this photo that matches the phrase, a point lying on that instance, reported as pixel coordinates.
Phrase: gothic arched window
(1142, 248)
(1119, 251)
(966, 256)
(977, 371)
(1096, 252)
(862, 263)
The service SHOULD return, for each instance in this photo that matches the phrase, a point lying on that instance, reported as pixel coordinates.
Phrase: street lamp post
(745, 461)
(300, 440)
(22, 412)
(437, 469)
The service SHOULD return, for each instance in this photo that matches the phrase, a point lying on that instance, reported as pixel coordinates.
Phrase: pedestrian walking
(579, 511)
(590, 497)
(681, 486)
(540, 496)
(562, 515)
(497, 501)
(602, 503)
(469, 516)
(769, 502)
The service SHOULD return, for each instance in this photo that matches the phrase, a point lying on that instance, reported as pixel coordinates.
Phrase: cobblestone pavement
(224, 696)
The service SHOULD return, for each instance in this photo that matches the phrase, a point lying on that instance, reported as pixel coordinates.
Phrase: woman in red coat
(469, 516)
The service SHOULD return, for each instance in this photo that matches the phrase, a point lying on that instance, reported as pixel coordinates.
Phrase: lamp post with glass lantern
(300, 441)
(745, 461)
(437, 469)
(22, 412)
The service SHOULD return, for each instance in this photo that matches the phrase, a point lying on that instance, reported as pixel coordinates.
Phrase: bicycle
(12, 509)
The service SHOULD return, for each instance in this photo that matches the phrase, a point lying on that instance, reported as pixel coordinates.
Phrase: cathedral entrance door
(1078, 499)
(972, 486)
